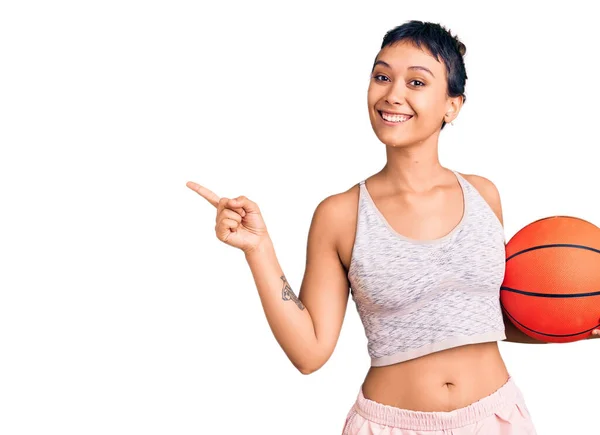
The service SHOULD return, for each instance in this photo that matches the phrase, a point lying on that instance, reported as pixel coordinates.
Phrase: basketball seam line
(544, 333)
(555, 245)
(551, 295)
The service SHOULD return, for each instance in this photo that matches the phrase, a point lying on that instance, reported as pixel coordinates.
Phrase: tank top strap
(364, 200)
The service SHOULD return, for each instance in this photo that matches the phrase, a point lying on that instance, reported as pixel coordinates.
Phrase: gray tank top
(415, 297)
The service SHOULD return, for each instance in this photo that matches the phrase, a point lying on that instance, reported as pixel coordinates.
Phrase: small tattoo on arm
(288, 294)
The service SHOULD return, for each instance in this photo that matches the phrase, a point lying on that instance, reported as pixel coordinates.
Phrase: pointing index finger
(207, 194)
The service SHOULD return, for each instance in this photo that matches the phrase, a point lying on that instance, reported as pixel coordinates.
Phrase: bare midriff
(441, 381)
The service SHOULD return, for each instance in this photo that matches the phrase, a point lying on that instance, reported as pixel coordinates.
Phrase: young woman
(422, 249)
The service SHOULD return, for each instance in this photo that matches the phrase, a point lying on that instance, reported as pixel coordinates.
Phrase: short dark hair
(441, 44)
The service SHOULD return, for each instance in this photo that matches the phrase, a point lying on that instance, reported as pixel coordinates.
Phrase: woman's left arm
(490, 193)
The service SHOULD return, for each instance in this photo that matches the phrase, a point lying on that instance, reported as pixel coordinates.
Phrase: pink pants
(501, 413)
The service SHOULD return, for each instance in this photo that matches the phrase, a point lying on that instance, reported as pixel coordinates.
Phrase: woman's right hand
(238, 223)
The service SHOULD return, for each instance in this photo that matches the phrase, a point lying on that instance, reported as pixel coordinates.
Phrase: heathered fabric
(415, 297)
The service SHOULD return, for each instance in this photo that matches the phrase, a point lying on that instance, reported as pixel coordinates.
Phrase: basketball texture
(551, 288)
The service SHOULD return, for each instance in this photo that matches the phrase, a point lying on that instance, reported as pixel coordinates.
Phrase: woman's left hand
(595, 334)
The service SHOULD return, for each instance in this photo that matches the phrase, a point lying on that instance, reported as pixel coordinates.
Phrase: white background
(120, 311)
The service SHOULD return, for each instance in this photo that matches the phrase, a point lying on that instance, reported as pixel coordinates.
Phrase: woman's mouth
(394, 118)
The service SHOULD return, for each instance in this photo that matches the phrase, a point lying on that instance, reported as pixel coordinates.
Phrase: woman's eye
(381, 78)
(417, 83)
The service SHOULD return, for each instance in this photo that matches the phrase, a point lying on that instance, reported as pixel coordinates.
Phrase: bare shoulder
(488, 190)
(337, 214)
(337, 206)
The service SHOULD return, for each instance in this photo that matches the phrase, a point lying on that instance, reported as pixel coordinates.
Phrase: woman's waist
(441, 381)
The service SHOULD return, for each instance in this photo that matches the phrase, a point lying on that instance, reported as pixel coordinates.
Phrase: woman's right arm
(306, 326)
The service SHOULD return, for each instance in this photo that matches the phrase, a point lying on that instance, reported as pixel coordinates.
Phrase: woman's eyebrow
(381, 62)
(422, 68)
(417, 67)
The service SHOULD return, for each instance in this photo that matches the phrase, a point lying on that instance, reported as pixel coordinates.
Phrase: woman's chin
(394, 141)
(404, 140)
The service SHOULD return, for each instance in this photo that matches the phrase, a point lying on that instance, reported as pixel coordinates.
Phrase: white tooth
(395, 118)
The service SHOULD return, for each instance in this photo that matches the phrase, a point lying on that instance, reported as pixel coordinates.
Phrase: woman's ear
(454, 106)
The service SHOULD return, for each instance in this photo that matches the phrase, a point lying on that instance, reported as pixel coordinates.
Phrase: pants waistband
(421, 420)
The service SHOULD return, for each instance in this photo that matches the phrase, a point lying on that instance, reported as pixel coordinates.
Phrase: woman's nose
(396, 94)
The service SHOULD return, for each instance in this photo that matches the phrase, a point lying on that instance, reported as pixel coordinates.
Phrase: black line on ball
(546, 334)
(546, 295)
(555, 245)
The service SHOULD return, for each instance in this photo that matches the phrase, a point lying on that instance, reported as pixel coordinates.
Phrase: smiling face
(408, 95)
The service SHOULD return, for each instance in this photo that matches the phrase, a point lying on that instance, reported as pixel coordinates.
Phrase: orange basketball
(551, 288)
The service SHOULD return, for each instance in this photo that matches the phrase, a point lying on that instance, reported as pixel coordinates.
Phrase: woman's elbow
(308, 367)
